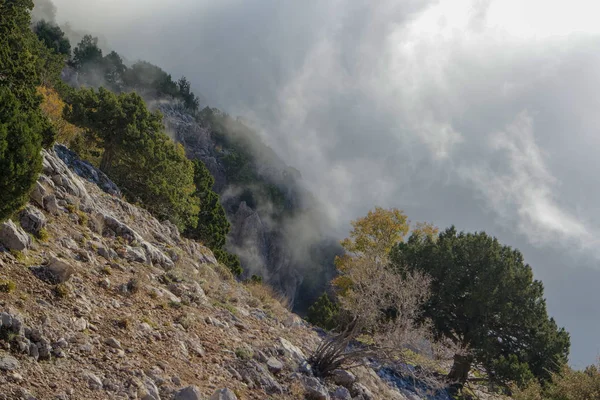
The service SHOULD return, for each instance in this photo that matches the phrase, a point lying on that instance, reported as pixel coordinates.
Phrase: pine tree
(148, 166)
(53, 37)
(323, 313)
(484, 298)
(213, 226)
(20, 119)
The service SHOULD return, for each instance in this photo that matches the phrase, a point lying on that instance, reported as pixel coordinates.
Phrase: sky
(477, 113)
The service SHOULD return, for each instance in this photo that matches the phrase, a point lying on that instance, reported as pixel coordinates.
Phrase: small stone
(25, 395)
(8, 363)
(343, 378)
(80, 324)
(93, 381)
(314, 389)
(196, 349)
(15, 377)
(145, 327)
(86, 348)
(112, 342)
(13, 237)
(234, 373)
(107, 252)
(34, 352)
(274, 365)
(59, 270)
(61, 343)
(188, 393)
(223, 394)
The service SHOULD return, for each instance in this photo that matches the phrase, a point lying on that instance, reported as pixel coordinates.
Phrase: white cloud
(522, 190)
(414, 104)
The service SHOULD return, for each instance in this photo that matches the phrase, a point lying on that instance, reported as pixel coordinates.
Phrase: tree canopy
(137, 154)
(21, 123)
(87, 52)
(372, 236)
(484, 298)
(213, 226)
(53, 37)
(376, 301)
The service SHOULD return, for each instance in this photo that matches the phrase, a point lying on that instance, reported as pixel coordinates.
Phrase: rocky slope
(284, 251)
(99, 300)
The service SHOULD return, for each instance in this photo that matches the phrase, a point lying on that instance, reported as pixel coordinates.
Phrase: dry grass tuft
(267, 296)
(223, 272)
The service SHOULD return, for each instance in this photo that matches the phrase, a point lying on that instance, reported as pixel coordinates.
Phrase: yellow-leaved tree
(52, 106)
(374, 300)
(371, 238)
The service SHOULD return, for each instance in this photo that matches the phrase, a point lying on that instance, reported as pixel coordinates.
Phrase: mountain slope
(108, 303)
(278, 230)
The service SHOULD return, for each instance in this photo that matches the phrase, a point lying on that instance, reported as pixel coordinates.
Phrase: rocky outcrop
(263, 240)
(32, 220)
(86, 170)
(13, 237)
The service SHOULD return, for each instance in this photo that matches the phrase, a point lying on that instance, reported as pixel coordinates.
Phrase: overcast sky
(479, 113)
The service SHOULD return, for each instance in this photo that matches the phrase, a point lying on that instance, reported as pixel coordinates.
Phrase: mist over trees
(212, 227)
(390, 291)
(53, 37)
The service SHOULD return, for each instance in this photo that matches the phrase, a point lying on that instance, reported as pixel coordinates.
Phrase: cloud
(479, 113)
(524, 194)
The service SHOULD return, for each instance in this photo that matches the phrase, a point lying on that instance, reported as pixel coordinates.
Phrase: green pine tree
(213, 226)
(21, 122)
(53, 37)
(484, 298)
(148, 166)
(323, 313)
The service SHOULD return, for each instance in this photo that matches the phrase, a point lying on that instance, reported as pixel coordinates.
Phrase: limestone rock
(151, 390)
(274, 365)
(87, 171)
(291, 351)
(314, 389)
(341, 393)
(51, 205)
(32, 220)
(223, 394)
(188, 393)
(14, 238)
(37, 194)
(8, 363)
(94, 382)
(60, 271)
(361, 392)
(113, 343)
(343, 378)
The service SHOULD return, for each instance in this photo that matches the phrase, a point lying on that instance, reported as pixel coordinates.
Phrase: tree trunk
(106, 161)
(460, 371)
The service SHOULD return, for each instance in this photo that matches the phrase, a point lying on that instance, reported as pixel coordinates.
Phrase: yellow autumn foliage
(52, 106)
(372, 238)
